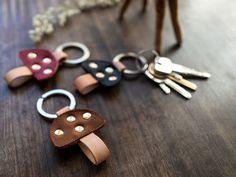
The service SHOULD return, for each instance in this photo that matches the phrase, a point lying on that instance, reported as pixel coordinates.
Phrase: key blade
(189, 71)
(184, 82)
(178, 88)
(163, 86)
(150, 76)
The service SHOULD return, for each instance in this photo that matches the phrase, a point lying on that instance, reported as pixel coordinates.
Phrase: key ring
(117, 62)
(143, 63)
(52, 93)
(80, 46)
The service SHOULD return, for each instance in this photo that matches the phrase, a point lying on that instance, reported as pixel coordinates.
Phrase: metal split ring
(143, 63)
(80, 46)
(119, 57)
(52, 93)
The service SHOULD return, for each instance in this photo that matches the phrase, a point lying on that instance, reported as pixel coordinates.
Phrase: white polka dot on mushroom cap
(112, 78)
(47, 71)
(79, 128)
(109, 70)
(58, 132)
(47, 60)
(100, 75)
(71, 118)
(87, 115)
(32, 55)
(93, 65)
(36, 67)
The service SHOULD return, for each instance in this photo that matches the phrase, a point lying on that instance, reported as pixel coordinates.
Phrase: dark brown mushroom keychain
(43, 64)
(72, 126)
(104, 73)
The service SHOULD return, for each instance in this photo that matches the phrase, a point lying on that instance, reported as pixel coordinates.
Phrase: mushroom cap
(103, 71)
(41, 63)
(71, 126)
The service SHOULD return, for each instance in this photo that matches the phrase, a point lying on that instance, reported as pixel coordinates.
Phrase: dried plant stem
(44, 23)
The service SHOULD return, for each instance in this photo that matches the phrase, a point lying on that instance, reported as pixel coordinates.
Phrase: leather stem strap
(120, 66)
(18, 76)
(63, 110)
(85, 83)
(60, 56)
(94, 148)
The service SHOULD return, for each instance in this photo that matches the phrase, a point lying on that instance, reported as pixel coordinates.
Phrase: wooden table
(148, 133)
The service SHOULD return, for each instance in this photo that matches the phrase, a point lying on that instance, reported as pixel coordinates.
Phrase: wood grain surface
(149, 134)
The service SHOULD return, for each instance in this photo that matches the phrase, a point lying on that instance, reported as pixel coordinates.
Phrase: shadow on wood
(160, 14)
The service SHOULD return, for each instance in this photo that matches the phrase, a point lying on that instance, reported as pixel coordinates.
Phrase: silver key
(189, 71)
(178, 88)
(165, 66)
(160, 82)
(168, 82)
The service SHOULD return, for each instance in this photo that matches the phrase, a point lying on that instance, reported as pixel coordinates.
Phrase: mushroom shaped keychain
(72, 126)
(43, 64)
(104, 73)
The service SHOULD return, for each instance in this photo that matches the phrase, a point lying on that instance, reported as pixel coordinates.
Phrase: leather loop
(18, 76)
(60, 56)
(120, 66)
(85, 83)
(94, 148)
(63, 110)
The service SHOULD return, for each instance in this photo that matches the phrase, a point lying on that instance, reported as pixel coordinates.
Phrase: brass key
(169, 82)
(174, 77)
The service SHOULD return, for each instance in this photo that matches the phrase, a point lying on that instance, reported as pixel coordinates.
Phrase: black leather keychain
(104, 73)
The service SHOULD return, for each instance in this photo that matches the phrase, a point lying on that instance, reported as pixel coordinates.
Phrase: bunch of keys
(43, 64)
(104, 73)
(72, 126)
(167, 74)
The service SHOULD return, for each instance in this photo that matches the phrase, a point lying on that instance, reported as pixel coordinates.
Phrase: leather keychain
(104, 73)
(43, 64)
(72, 126)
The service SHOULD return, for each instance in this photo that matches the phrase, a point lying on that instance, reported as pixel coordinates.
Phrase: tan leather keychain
(72, 126)
(43, 64)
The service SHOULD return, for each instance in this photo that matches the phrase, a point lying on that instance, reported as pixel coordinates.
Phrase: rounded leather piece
(94, 148)
(110, 78)
(18, 76)
(85, 83)
(38, 60)
(70, 136)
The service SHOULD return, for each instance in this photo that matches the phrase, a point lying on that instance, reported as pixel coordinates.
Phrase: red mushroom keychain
(75, 126)
(104, 73)
(43, 64)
